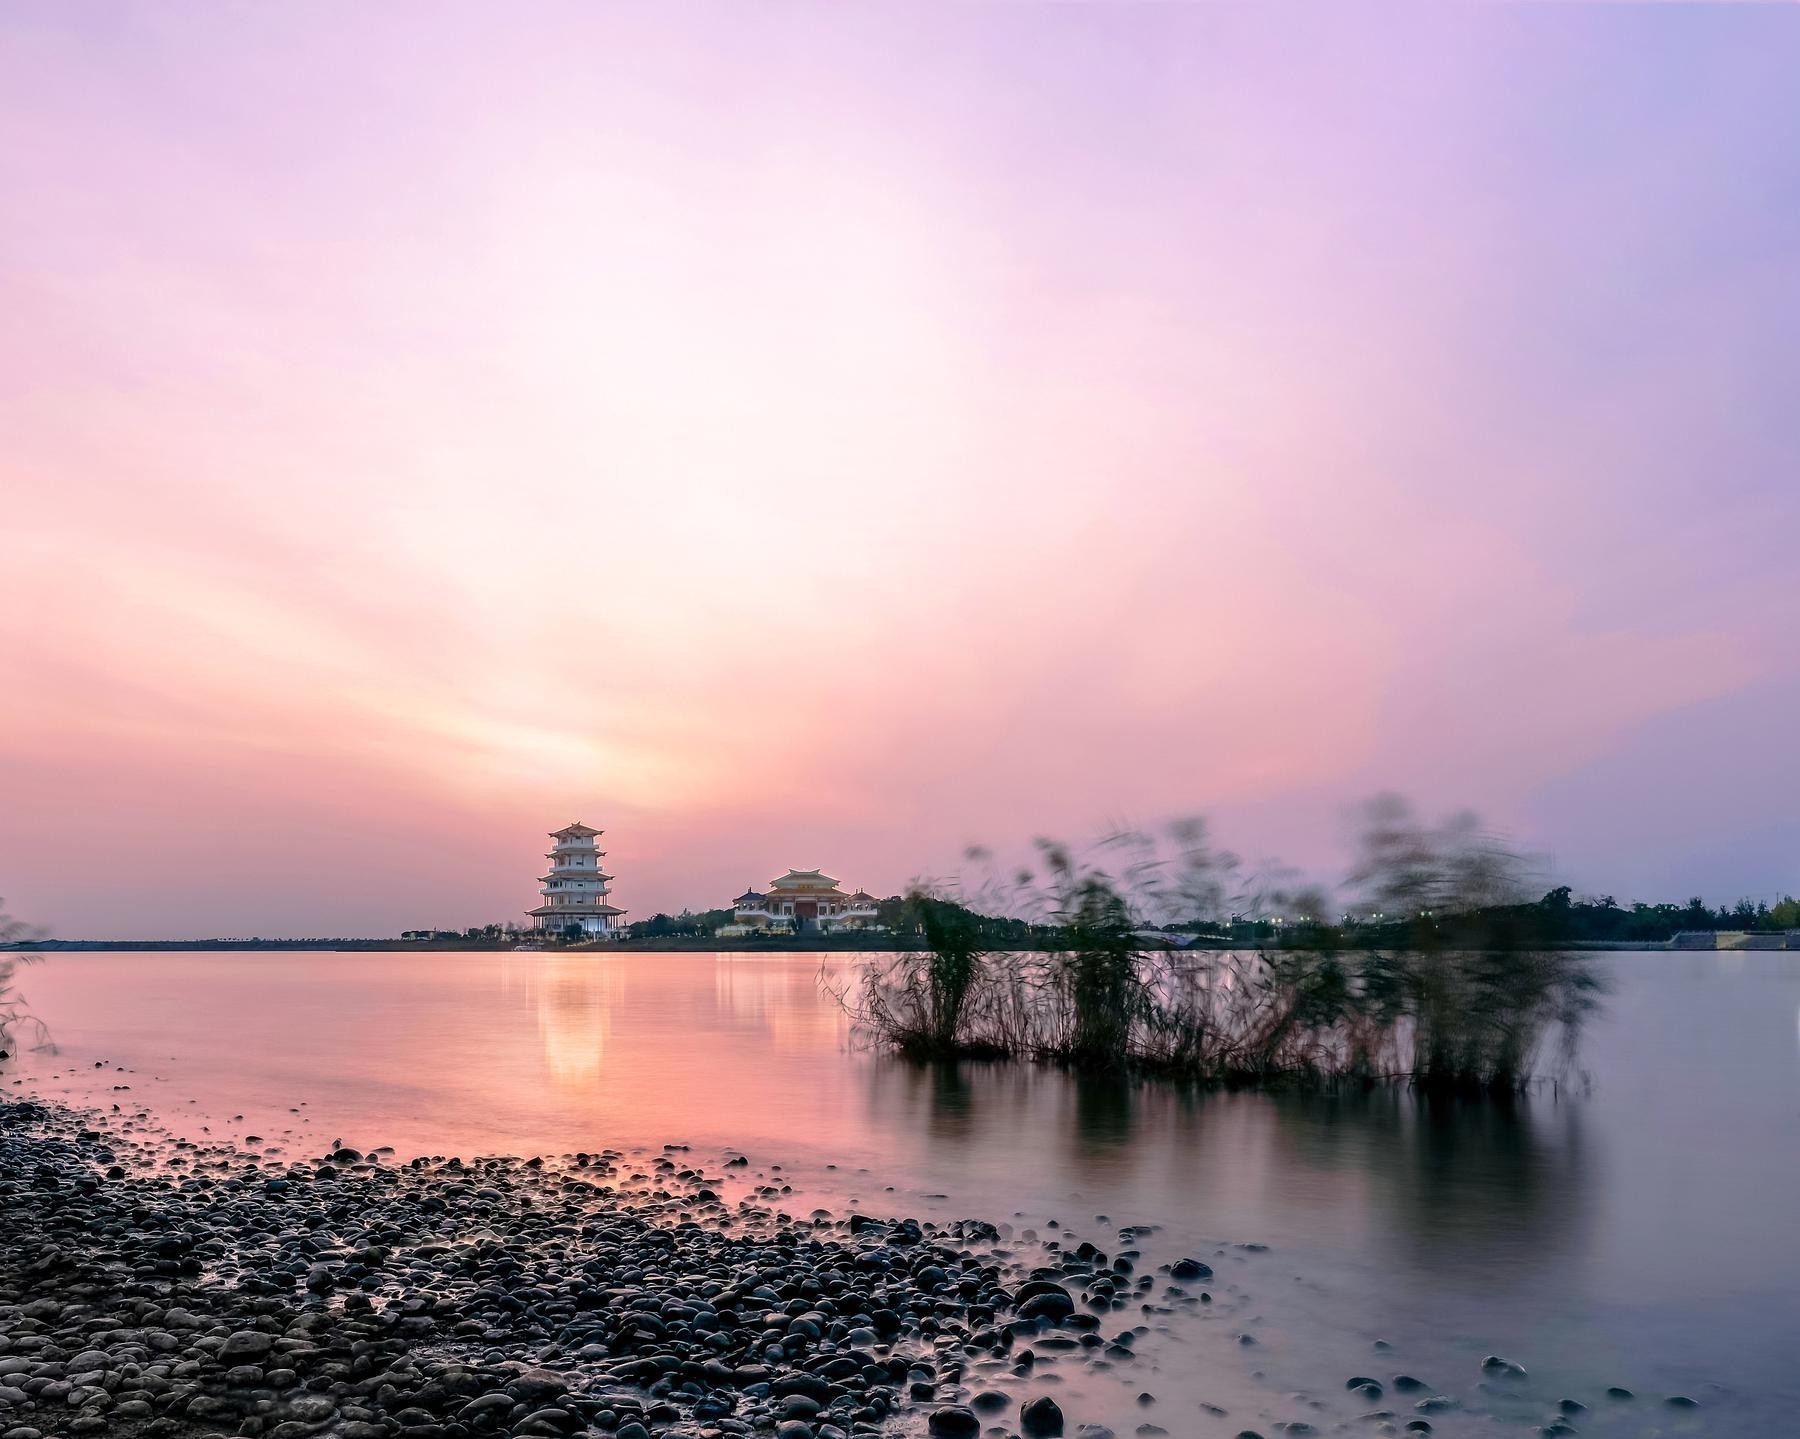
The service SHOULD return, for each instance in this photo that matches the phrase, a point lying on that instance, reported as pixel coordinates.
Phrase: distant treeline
(899, 918)
(1569, 917)
(1561, 916)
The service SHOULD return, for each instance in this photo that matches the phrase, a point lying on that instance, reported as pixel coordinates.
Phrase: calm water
(1644, 1233)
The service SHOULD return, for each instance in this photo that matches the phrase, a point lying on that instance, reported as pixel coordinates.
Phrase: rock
(535, 1386)
(1191, 1269)
(1041, 1418)
(246, 1345)
(1053, 1305)
(952, 1422)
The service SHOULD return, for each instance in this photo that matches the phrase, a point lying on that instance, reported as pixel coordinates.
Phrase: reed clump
(1427, 975)
(15, 1019)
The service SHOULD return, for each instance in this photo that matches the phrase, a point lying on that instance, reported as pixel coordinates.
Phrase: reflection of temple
(802, 899)
(575, 890)
(785, 1000)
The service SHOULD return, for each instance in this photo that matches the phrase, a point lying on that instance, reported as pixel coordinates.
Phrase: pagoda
(576, 888)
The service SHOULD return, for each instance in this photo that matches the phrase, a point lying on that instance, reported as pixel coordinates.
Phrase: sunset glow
(836, 437)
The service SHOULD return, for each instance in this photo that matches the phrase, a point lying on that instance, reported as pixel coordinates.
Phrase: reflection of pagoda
(575, 890)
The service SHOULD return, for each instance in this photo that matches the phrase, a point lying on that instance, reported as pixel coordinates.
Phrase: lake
(1639, 1230)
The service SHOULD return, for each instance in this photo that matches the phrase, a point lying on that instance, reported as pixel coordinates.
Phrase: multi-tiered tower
(575, 890)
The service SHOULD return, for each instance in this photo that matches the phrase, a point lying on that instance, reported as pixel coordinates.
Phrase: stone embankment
(151, 1286)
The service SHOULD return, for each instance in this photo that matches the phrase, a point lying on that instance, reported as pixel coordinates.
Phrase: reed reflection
(1499, 1189)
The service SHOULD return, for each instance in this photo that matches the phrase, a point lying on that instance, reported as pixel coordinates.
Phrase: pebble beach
(154, 1286)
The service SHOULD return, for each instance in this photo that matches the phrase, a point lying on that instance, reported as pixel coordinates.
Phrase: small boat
(528, 944)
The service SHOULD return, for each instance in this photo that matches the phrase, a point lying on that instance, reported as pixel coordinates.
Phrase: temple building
(801, 899)
(575, 890)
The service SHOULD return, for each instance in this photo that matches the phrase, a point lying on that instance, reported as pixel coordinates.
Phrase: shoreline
(786, 945)
(154, 1286)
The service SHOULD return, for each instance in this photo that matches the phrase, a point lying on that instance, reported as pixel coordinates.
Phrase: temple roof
(864, 894)
(578, 830)
(749, 896)
(803, 879)
(593, 874)
(576, 910)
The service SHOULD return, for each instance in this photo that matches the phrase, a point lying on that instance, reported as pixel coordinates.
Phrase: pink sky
(833, 435)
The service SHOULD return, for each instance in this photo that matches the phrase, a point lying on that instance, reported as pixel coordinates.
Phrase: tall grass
(15, 1018)
(1412, 982)
(923, 1012)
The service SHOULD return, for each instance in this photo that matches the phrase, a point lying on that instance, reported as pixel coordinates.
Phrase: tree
(1698, 916)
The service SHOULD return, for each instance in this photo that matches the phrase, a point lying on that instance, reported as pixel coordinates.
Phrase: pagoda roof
(749, 896)
(578, 830)
(864, 894)
(576, 910)
(576, 874)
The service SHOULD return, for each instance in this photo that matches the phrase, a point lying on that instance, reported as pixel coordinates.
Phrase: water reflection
(574, 997)
(1496, 1191)
(577, 1001)
(781, 999)
(1499, 1191)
